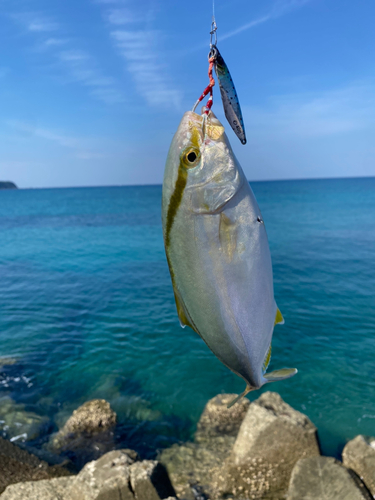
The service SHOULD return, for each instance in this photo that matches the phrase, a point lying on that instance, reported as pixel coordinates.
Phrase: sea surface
(87, 310)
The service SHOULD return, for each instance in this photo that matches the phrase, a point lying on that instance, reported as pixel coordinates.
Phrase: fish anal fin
(282, 374)
(267, 359)
(181, 311)
(279, 320)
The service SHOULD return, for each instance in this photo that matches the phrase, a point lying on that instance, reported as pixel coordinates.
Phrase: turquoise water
(87, 309)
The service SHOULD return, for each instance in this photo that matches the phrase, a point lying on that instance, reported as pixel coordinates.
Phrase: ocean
(87, 310)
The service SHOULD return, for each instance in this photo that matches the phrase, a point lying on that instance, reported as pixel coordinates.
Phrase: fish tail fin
(282, 374)
(242, 395)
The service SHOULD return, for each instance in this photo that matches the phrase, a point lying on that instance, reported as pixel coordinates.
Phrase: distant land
(7, 185)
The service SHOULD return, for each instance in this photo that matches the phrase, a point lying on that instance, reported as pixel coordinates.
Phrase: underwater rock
(217, 419)
(272, 438)
(87, 434)
(93, 417)
(90, 418)
(359, 455)
(18, 465)
(150, 481)
(324, 477)
(7, 361)
(18, 424)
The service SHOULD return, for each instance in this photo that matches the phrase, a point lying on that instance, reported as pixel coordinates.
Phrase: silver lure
(217, 250)
(231, 103)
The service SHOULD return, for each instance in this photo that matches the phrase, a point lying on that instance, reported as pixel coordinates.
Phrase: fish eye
(190, 158)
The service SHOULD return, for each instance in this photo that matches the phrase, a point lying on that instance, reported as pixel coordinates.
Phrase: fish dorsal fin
(267, 359)
(279, 320)
(282, 374)
(181, 311)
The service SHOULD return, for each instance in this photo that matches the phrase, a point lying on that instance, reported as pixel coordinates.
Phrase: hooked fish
(217, 251)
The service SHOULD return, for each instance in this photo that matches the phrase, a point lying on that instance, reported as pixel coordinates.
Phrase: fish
(229, 97)
(217, 251)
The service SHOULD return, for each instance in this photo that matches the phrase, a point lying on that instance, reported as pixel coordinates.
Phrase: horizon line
(154, 185)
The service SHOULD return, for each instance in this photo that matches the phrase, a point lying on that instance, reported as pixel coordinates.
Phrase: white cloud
(81, 68)
(137, 47)
(53, 42)
(311, 134)
(80, 147)
(122, 16)
(280, 8)
(35, 22)
(77, 64)
(332, 112)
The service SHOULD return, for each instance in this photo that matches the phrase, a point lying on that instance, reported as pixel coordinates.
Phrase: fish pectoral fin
(242, 395)
(282, 374)
(183, 315)
(279, 320)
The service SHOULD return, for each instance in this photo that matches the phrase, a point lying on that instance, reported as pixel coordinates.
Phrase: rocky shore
(259, 450)
(7, 185)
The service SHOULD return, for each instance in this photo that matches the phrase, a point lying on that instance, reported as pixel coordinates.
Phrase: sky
(92, 91)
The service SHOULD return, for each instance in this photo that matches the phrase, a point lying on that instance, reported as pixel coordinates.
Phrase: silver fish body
(217, 250)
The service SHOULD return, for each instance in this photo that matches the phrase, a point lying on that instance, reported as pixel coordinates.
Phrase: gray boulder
(150, 481)
(217, 419)
(272, 438)
(191, 465)
(119, 476)
(115, 476)
(359, 455)
(324, 478)
(105, 479)
(52, 489)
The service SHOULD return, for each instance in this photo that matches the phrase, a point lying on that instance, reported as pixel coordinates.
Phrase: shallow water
(87, 309)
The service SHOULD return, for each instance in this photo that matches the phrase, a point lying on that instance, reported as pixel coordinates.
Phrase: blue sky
(92, 91)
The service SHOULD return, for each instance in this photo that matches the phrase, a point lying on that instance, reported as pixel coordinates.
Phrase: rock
(217, 419)
(52, 489)
(92, 417)
(105, 479)
(115, 476)
(18, 465)
(87, 433)
(18, 424)
(150, 481)
(272, 438)
(191, 465)
(359, 455)
(7, 185)
(7, 361)
(325, 478)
